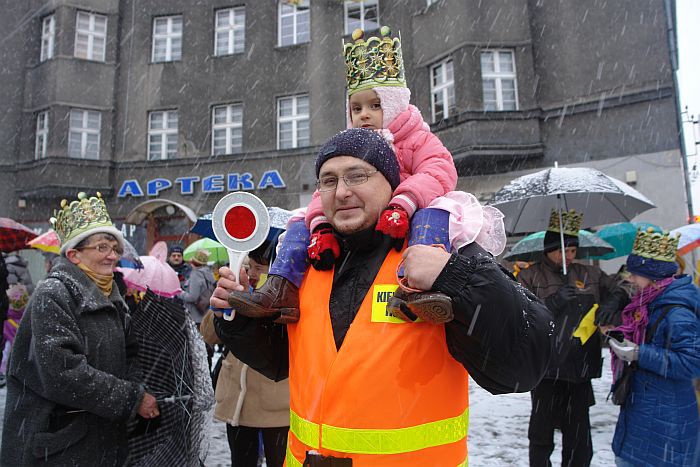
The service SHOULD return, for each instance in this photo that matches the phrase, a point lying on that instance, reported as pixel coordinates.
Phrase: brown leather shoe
(431, 307)
(277, 299)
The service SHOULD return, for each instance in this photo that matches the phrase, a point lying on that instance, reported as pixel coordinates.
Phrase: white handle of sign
(235, 261)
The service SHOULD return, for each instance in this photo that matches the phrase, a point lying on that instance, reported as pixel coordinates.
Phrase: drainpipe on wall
(670, 7)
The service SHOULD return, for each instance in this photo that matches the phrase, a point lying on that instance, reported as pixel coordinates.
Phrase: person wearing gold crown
(379, 101)
(564, 396)
(73, 380)
(658, 423)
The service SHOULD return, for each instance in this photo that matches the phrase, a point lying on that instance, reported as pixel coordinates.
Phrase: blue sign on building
(217, 183)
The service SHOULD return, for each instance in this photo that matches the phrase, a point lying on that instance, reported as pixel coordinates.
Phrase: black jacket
(72, 380)
(573, 361)
(501, 333)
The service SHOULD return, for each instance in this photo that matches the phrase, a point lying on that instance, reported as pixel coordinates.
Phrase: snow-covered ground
(497, 428)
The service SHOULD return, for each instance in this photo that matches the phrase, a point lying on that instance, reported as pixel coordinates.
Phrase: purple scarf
(635, 316)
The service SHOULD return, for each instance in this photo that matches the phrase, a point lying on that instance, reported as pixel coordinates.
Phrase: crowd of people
(354, 343)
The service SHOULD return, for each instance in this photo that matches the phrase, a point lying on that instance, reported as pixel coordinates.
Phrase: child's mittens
(394, 222)
(323, 248)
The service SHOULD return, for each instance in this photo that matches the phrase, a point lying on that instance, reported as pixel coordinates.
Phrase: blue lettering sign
(238, 182)
(130, 188)
(157, 185)
(213, 184)
(271, 178)
(187, 184)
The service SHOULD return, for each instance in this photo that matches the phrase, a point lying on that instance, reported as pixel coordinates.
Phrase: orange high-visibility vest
(391, 396)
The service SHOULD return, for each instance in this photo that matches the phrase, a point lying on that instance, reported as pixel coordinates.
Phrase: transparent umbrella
(528, 201)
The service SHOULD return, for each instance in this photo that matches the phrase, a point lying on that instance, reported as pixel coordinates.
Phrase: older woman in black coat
(72, 378)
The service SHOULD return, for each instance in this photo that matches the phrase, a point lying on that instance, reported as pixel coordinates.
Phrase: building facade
(166, 105)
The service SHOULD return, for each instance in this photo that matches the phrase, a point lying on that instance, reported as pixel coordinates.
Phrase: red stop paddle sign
(240, 221)
(241, 224)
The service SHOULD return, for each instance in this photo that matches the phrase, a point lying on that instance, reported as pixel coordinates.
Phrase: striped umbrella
(690, 238)
(13, 235)
(48, 241)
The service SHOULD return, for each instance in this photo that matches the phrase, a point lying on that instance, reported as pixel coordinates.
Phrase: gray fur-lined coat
(72, 381)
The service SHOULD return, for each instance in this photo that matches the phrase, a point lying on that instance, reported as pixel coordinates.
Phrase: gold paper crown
(655, 245)
(80, 216)
(572, 221)
(374, 62)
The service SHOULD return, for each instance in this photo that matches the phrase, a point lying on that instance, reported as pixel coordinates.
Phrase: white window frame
(48, 35)
(169, 37)
(93, 52)
(294, 119)
(230, 27)
(164, 134)
(284, 12)
(229, 128)
(498, 77)
(42, 134)
(446, 88)
(83, 132)
(362, 5)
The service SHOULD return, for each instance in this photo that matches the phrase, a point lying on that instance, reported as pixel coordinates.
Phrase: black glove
(610, 310)
(559, 299)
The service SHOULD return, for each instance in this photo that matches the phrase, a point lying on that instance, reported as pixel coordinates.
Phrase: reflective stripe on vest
(392, 441)
(307, 432)
(291, 461)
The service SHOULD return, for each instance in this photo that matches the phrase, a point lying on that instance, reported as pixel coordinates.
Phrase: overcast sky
(689, 69)
(688, 21)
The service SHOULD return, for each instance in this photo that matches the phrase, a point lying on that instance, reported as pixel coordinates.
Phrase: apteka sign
(217, 183)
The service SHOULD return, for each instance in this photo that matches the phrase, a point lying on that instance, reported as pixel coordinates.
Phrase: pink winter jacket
(427, 168)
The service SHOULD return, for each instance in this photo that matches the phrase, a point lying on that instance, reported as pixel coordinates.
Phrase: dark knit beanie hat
(552, 241)
(175, 249)
(364, 144)
(650, 268)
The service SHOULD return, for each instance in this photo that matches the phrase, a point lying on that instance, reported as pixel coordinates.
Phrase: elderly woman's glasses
(104, 249)
(330, 183)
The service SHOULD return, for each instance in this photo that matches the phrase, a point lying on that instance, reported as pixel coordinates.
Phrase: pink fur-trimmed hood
(406, 123)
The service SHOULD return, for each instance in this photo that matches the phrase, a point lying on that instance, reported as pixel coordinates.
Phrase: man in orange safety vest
(371, 386)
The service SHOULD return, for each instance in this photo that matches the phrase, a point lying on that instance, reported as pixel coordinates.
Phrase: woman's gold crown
(655, 245)
(80, 215)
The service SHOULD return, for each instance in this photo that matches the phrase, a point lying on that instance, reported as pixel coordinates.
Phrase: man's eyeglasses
(330, 183)
(104, 249)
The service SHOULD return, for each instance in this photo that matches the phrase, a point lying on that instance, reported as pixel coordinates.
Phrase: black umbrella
(161, 326)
